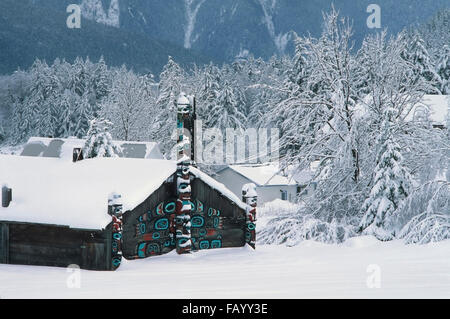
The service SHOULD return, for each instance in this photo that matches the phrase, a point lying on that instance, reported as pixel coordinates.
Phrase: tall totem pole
(185, 158)
(250, 197)
(115, 209)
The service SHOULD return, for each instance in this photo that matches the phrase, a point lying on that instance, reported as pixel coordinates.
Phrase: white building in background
(432, 107)
(64, 148)
(270, 185)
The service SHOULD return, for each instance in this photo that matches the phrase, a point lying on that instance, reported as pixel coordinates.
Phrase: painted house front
(62, 213)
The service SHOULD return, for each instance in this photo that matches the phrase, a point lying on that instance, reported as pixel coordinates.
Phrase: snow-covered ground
(309, 270)
(11, 150)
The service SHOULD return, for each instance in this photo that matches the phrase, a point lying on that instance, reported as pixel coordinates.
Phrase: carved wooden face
(252, 201)
(184, 109)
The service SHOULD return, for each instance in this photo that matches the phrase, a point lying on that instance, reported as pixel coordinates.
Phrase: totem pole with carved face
(250, 197)
(183, 180)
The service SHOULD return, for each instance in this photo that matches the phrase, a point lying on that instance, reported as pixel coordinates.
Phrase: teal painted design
(156, 235)
(197, 221)
(162, 224)
(204, 244)
(217, 243)
(142, 228)
(141, 250)
(153, 249)
(170, 207)
(116, 262)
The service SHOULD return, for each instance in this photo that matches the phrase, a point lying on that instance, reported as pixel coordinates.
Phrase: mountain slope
(29, 30)
(141, 33)
(224, 29)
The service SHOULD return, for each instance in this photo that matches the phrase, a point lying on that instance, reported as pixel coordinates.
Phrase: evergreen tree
(417, 54)
(391, 184)
(208, 93)
(225, 113)
(101, 82)
(66, 126)
(79, 77)
(299, 74)
(165, 120)
(99, 142)
(82, 115)
(443, 70)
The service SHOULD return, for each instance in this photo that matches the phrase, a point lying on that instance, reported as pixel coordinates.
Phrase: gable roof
(63, 148)
(52, 191)
(59, 192)
(262, 175)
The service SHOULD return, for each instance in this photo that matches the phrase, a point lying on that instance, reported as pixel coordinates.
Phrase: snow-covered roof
(52, 191)
(263, 175)
(436, 106)
(303, 177)
(63, 148)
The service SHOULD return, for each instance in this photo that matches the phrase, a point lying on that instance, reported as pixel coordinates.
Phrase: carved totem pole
(250, 197)
(115, 209)
(185, 158)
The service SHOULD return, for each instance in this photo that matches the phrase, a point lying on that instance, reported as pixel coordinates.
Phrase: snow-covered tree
(101, 80)
(425, 216)
(435, 32)
(128, 106)
(82, 115)
(301, 69)
(170, 86)
(443, 70)
(67, 120)
(224, 113)
(391, 184)
(79, 78)
(209, 92)
(320, 124)
(99, 142)
(417, 53)
(267, 91)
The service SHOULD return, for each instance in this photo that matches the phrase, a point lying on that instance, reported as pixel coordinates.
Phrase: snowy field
(309, 270)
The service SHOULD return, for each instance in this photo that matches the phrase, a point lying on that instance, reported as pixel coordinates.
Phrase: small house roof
(63, 148)
(262, 175)
(54, 191)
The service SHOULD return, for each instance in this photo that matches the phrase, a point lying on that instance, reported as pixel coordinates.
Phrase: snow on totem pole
(250, 197)
(185, 160)
(115, 209)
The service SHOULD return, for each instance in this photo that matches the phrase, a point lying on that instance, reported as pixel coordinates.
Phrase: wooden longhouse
(94, 212)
